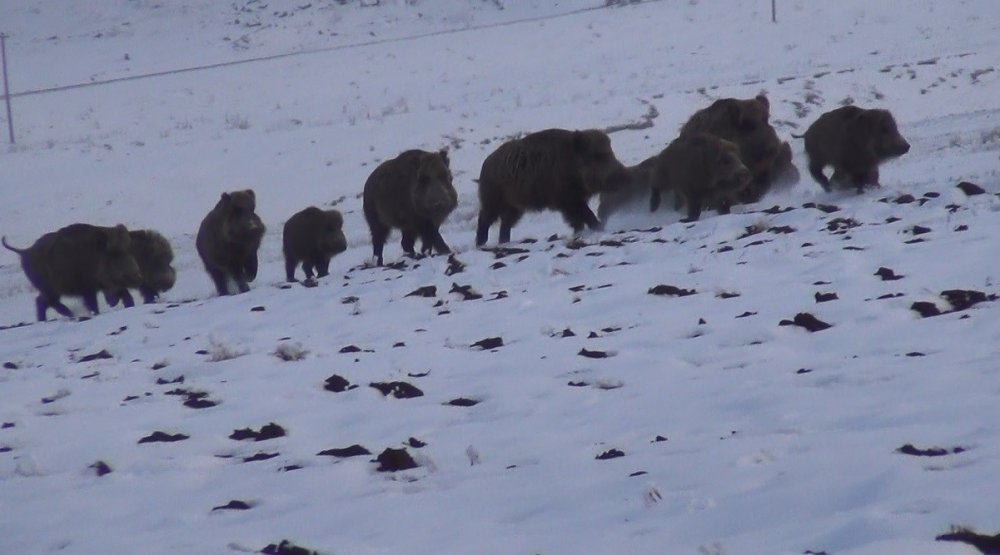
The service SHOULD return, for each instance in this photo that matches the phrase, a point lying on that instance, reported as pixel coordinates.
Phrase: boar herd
(725, 154)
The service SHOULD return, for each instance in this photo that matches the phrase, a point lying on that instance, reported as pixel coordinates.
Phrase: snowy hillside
(654, 388)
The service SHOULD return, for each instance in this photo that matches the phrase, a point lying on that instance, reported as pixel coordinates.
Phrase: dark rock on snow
(268, 431)
(234, 505)
(399, 390)
(909, 449)
(345, 452)
(610, 454)
(425, 291)
(337, 384)
(163, 437)
(287, 548)
(970, 189)
(392, 460)
(101, 468)
(489, 343)
(807, 321)
(887, 274)
(670, 290)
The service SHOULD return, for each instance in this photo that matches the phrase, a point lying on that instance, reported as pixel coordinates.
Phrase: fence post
(6, 86)
(774, 11)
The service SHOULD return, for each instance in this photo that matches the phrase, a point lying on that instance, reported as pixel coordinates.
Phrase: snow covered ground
(736, 434)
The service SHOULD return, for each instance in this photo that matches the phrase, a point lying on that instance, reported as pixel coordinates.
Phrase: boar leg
(290, 264)
(724, 206)
(219, 279)
(431, 238)
(579, 215)
(816, 169)
(242, 285)
(323, 266)
(43, 302)
(242, 274)
(307, 267)
(127, 300)
(148, 295)
(90, 301)
(250, 267)
(379, 234)
(409, 238)
(507, 221)
(870, 178)
(486, 219)
(694, 208)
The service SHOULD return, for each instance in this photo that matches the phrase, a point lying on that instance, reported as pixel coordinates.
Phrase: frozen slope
(776, 439)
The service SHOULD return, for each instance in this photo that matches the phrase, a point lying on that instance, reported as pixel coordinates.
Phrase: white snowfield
(607, 418)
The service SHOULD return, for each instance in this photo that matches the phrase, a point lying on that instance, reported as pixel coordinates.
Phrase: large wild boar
(228, 239)
(745, 123)
(78, 260)
(702, 170)
(412, 192)
(783, 172)
(555, 169)
(153, 254)
(312, 236)
(854, 141)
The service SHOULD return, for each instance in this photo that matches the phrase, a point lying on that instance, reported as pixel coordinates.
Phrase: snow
(778, 440)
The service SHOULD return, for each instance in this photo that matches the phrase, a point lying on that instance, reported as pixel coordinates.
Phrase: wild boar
(555, 169)
(228, 239)
(312, 236)
(78, 260)
(854, 141)
(412, 192)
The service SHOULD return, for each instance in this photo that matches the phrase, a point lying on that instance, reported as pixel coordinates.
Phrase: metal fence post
(6, 86)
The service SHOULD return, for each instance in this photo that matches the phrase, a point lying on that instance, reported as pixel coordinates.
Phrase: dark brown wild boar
(702, 170)
(312, 236)
(412, 192)
(745, 123)
(153, 254)
(228, 239)
(555, 169)
(78, 260)
(783, 172)
(729, 115)
(854, 141)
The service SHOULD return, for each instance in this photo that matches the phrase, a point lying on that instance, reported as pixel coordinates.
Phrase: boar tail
(10, 248)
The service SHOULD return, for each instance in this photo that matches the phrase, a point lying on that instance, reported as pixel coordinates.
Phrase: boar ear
(581, 141)
(444, 156)
(762, 99)
(251, 194)
(224, 199)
